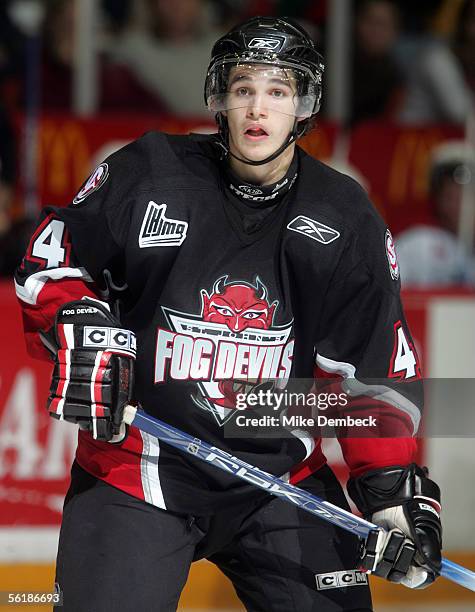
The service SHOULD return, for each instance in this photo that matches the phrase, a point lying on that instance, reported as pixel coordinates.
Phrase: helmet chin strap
(292, 137)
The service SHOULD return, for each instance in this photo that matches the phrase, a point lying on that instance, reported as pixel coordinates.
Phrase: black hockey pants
(119, 553)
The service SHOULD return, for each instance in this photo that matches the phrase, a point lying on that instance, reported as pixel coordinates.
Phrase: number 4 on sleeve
(404, 361)
(49, 245)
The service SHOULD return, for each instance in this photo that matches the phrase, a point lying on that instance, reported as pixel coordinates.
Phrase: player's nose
(256, 108)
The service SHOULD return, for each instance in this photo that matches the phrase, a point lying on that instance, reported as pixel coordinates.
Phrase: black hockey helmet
(276, 42)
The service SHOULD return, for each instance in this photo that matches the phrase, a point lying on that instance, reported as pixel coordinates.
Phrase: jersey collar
(258, 195)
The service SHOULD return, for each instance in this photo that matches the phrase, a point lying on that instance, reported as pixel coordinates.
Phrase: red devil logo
(238, 305)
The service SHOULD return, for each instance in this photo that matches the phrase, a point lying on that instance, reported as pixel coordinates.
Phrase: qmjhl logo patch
(313, 229)
(158, 230)
(340, 580)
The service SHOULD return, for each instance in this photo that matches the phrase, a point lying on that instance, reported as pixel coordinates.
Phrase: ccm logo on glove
(93, 374)
(109, 337)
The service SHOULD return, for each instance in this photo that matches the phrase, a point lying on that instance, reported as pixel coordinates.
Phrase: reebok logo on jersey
(340, 580)
(313, 229)
(158, 230)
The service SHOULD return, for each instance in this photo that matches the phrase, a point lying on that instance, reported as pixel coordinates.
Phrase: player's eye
(278, 93)
(224, 311)
(241, 91)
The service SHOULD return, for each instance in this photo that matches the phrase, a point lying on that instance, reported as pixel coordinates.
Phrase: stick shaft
(253, 475)
(274, 485)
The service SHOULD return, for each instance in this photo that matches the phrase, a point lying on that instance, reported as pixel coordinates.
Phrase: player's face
(261, 104)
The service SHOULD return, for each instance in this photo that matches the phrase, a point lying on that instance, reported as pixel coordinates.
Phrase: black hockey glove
(406, 503)
(93, 374)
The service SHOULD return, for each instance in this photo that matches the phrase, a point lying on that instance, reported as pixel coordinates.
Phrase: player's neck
(267, 174)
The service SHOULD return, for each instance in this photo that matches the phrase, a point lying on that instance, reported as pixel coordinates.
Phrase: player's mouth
(255, 133)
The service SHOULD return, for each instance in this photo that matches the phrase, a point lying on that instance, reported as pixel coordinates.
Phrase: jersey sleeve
(72, 247)
(364, 341)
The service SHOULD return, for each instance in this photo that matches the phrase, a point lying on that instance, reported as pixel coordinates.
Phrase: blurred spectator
(11, 59)
(171, 54)
(119, 89)
(254, 8)
(117, 13)
(230, 12)
(13, 234)
(445, 18)
(464, 44)
(13, 244)
(442, 80)
(377, 83)
(7, 170)
(431, 255)
(418, 17)
(313, 11)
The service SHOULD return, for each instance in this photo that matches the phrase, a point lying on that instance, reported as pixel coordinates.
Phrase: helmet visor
(283, 87)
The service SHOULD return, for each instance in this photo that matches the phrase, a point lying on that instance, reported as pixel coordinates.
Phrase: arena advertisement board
(35, 452)
(396, 178)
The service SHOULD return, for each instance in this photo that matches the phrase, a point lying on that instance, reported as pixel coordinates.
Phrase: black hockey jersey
(316, 285)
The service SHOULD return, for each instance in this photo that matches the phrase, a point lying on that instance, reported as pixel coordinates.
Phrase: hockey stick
(274, 485)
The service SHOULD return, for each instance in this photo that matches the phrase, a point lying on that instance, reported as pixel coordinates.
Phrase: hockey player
(233, 257)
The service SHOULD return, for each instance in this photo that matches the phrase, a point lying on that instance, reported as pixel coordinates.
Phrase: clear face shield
(282, 88)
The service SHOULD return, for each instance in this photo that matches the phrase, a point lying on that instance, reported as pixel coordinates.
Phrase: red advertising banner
(35, 451)
(394, 161)
(69, 147)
